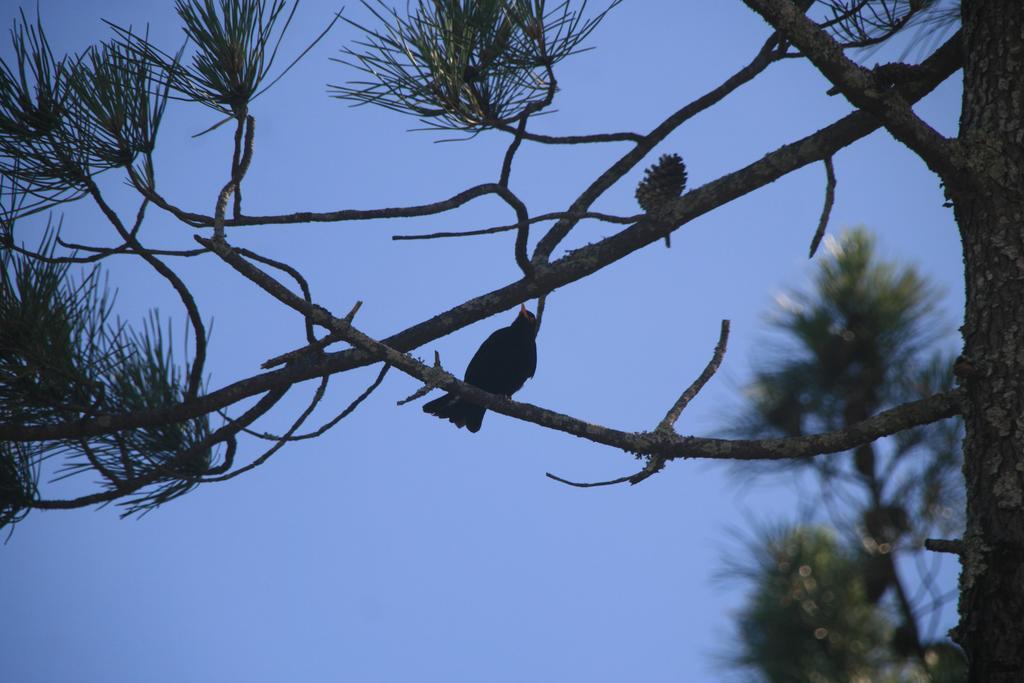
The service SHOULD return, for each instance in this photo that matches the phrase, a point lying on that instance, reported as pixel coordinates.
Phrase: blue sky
(397, 548)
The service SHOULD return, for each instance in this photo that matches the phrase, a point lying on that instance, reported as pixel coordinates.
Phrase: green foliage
(858, 330)
(855, 343)
(62, 359)
(235, 45)
(926, 461)
(35, 93)
(121, 101)
(465, 64)
(868, 23)
(18, 478)
(64, 120)
(50, 341)
(807, 618)
(231, 58)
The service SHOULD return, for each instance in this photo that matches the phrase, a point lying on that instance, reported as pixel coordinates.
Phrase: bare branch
(522, 230)
(577, 265)
(826, 211)
(588, 485)
(660, 443)
(427, 386)
(296, 275)
(239, 166)
(506, 164)
(558, 215)
(570, 139)
(349, 409)
(860, 87)
(187, 300)
(316, 346)
(764, 58)
(282, 440)
(672, 416)
(941, 545)
(350, 316)
(198, 220)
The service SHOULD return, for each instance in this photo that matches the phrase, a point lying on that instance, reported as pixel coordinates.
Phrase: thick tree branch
(558, 232)
(662, 444)
(226, 433)
(860, 87)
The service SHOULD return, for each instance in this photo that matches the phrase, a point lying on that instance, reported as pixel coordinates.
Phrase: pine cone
(663, 182)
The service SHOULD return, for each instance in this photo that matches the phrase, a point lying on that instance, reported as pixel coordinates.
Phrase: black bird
(501, 365)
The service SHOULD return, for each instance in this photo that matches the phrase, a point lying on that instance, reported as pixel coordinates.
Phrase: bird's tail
(460, 413)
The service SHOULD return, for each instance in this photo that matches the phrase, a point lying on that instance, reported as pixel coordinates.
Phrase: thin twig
(333, 421)
(130, 486)
(285, 438)
(238, 171)
(316, 346)
(941, 545)
(187, 300)
(350, 316)
(691, 391)
(198, 220)
(427, 386)
(569, 139)
(557, 215)
(348, 409)
(506, 164)
(826, 211)
(588, 485)
(522, 230)
(103, 252)
(296, 275)
(541, 304)
(98, 466)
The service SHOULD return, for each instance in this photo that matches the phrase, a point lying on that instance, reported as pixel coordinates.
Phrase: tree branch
(941, 545)
(127, 487)
(198, 220)
(557, 233)
(187, 300)
(860, 87)
(659, 443)
(667, 424)
(548, 277)
(826, 210)
(557, 215)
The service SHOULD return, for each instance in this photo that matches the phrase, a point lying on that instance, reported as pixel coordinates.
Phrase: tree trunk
(989, 208)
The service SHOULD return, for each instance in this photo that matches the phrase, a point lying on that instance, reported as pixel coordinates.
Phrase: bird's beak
(522, 309)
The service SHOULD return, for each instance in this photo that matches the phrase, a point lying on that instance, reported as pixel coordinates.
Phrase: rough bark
(989, 208)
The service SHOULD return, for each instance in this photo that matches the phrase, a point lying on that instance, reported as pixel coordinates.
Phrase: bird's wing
(492, 347)
(531, 363)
